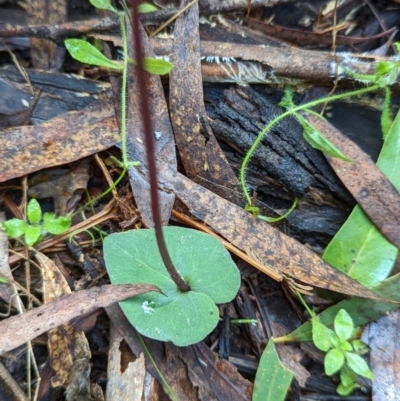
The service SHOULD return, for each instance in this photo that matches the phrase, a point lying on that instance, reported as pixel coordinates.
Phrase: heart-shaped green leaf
(202, 261)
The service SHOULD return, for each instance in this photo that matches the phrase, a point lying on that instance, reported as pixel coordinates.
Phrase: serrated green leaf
(272, 379)
(333, 361)
(358, 365)
(202, 261)
(14, 228)
(147, 8)
(321, 335)
(86, 53)
(343, 325)
(32, 235)
(55, 225)
(34, 212)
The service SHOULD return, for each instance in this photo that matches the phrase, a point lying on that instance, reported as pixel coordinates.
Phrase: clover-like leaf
(14, 228)
(56, 225)
(32, 235)
(343, 325)
(202, 261)
(358, 365)
(86, 53)
(333, 361)
(34, 212)
(321, 335)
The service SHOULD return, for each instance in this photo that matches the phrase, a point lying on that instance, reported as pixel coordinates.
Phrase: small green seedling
(37, 226)
(342, 351)
(386, 75)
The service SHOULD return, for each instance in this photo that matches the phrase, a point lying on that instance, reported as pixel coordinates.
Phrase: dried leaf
(58, 141)
(68, 348)
(201, 154)
(164, 144)
(65, 186)
(369, 186)
(19, 329)
(285, 254)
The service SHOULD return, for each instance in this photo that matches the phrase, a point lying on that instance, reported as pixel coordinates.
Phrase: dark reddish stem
(145, 111)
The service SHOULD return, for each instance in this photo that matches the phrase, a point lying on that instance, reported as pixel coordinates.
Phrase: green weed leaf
(346, 346)
(147, 8)
(318, 141)
(202, 261)
(358, 365)
(155, 66)
(103, 5)
(359, 347)
(32, 235)
(344, 391)
(55, 225)
(34, 212)
(333, 361)
(321, 335)
(343, 325)
(14, 228)
(272, 378)
(86, 53)
(347, 376)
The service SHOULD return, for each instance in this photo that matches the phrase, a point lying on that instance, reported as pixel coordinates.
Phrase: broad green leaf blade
(55, 225)
(32, 235)
(343, 325)
(321, 335)
(333, 361)
(14, 228)
(347, 376)
(358, 365)
(86, 53)
(34, 212)
(362, 311)
(202, 261)
(359, 249)
(272, 379)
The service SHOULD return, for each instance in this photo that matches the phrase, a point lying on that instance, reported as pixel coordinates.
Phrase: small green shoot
(386, 75)
(181, 317)
(38, 224)
(342, 349)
